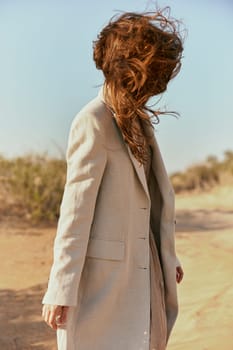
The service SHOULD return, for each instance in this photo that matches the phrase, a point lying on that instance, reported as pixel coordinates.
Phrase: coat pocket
(105, 249)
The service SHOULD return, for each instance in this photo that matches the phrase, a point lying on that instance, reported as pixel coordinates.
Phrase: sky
(47, 75)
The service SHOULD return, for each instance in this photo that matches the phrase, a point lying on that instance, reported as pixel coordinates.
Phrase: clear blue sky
(47, 74)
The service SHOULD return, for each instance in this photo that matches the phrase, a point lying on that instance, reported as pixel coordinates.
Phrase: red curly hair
(138, 54)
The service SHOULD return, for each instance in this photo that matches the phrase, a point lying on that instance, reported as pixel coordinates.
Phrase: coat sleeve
(86, 159)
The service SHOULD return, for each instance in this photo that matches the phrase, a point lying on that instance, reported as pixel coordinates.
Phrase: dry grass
(31, 186)
(34, 186)
(211, 173)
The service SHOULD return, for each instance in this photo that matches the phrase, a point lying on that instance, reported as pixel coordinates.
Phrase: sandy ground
(204, 245)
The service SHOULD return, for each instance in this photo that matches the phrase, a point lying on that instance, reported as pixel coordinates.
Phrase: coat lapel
(164, 183)
(139, 170)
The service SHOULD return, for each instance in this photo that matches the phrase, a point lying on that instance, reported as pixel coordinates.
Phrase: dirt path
(205, 319)
(204, 245)
(25, 261)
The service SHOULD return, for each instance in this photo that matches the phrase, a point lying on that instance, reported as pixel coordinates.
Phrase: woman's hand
(55, 315)
(179, 273)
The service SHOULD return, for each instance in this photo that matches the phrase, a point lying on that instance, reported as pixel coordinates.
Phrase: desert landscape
(56, 57)
(204, 243)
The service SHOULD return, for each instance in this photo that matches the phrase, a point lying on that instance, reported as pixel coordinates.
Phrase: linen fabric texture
(101, 254)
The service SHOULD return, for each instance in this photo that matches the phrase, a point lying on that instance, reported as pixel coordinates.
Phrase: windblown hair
(138, 54)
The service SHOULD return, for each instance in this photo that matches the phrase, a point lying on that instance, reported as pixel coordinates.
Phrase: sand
(204, 242)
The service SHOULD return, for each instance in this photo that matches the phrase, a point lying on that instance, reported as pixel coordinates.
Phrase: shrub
(37, 183)
(205, 176)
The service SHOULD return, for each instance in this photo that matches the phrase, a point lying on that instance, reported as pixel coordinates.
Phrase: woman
(113, 280)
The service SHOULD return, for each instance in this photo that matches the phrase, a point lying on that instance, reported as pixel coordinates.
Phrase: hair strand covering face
(138, 55)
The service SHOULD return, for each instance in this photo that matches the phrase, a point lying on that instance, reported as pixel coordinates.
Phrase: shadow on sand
(21, 324)
(203, 220)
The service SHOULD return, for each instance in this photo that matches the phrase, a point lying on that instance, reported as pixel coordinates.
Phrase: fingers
(64, 314)
(46, 313)
(179, 274)
(52, 315)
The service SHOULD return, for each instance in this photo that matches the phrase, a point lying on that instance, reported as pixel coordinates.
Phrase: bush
(37, 183)
(205, 176)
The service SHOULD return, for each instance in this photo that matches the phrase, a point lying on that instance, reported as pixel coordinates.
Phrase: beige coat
(101, 249)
